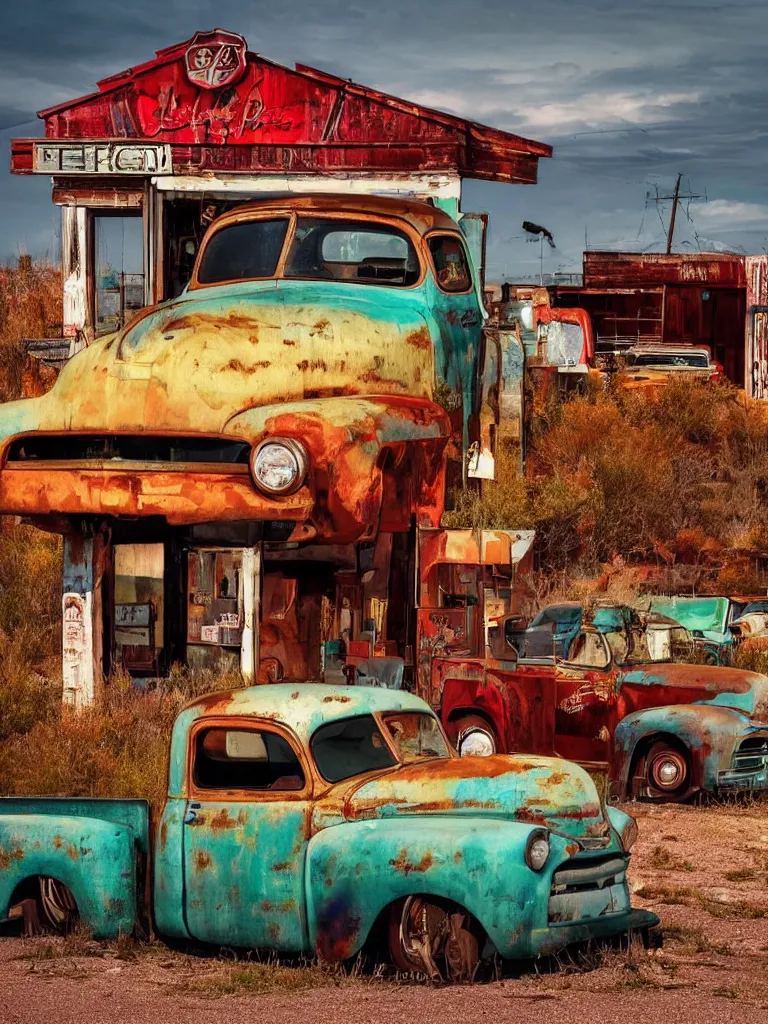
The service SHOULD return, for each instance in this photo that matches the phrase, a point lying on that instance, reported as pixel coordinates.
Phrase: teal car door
(245, 836)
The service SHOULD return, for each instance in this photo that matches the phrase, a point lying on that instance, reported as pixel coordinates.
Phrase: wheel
(56, 907)
(433, 938)
(667, 770)
(475, 737)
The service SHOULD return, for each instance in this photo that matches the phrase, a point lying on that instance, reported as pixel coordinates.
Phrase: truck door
(245, 833)
(585, 715)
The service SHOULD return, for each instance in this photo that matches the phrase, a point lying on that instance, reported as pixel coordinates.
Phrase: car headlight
(279, 465)
(537, 850)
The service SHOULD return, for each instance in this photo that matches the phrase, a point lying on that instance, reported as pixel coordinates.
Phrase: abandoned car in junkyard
(317, 819)
(616, 702)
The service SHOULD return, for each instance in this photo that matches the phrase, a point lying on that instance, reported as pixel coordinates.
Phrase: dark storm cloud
(628, 92)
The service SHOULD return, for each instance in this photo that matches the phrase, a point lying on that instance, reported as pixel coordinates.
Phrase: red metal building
(695, 298)
(141, 166)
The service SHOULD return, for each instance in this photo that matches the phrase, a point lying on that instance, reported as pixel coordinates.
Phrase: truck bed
(97, 849)
(132, 813)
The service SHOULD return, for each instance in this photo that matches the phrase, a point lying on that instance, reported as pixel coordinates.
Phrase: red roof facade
(223, 108)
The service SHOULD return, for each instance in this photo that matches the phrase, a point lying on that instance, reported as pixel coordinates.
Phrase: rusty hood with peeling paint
(195, 363)
(544, 791)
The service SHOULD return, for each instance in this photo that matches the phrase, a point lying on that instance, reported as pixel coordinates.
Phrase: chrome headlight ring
(279, 465)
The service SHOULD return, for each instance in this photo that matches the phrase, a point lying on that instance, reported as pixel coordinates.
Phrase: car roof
(303, 707)
(421, 216)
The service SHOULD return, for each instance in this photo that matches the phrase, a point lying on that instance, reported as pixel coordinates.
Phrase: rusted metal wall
(642, 269)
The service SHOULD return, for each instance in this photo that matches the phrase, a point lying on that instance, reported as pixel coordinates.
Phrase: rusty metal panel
(757, 326)
(629, 269)
(251, 114)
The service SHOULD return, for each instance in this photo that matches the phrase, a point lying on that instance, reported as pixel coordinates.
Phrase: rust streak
(404, 865)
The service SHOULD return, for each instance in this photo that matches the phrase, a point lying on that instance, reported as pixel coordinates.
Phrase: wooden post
(250, 577)
(82, 619)
(74, 274)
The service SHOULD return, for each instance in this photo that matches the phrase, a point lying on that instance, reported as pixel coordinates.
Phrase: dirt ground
(705, 871)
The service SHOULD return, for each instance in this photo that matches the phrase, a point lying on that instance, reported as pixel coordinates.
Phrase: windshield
(751, 608)
(241, 251)
(350, 747)
(416, 736)
(697, 359)
(359, 251)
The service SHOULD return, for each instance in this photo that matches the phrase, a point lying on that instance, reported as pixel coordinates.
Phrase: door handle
(191, 814)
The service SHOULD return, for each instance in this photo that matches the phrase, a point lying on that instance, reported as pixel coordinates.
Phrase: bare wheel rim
(431, 937)
(667, 770)
(57, 905)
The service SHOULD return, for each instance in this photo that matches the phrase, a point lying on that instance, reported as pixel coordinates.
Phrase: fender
(356, 870)
(710, 733)
(348, 439)
(95, 859)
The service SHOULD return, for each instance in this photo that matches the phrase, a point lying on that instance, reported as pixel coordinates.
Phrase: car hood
(192, 364)
(545, 791)
(655, 685)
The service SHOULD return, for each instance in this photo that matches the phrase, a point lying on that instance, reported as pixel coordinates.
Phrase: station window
(119, 270)
(214, 614)
(139, 607)
(451, 264)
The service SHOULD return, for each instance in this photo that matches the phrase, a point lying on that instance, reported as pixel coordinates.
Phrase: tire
(475, 737)
(434, 938)
(667, 771)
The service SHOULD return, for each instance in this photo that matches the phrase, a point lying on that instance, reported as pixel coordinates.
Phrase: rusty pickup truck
(316, 819)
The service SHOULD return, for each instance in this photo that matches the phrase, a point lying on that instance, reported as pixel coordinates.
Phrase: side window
(247, 759)
(589, 650)
(451, 266)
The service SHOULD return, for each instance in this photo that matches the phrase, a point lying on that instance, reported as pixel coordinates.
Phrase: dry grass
(30, 307)
(628, 494)
(118, 749)
(245, 979)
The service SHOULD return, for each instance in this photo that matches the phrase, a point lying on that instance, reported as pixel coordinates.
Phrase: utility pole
(675, 197)
(675, 201)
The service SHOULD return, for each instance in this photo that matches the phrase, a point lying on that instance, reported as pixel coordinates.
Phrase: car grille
(87, 448)
(589, 874)
(588, 887)
(751, 755)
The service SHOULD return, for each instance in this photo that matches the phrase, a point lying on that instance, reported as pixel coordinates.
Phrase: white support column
(77, 618)
(250, 577)
(74, 274)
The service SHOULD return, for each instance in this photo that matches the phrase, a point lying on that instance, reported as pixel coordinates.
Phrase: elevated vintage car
(317, 819)
(321, 341)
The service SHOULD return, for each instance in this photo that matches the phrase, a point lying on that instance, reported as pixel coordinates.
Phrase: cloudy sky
(629, 93)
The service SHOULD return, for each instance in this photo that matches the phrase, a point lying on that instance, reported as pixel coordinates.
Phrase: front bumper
(181, 494)
(568, 933)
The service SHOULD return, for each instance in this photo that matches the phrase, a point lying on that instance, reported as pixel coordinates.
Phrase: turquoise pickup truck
(309, 819)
